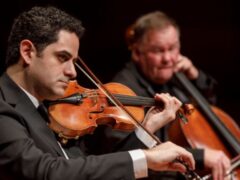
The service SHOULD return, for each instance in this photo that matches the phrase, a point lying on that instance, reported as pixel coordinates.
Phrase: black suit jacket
(134, 79)
(29, 149)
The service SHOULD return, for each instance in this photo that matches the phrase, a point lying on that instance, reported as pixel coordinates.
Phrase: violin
(81, 110)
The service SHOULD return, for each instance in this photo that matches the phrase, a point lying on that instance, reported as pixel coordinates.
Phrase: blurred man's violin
(208, 127)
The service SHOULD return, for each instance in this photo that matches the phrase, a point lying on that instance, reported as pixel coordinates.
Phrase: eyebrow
(64, 52)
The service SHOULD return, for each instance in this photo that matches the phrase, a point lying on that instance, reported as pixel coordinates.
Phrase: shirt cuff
(139, 163)
(145, 138)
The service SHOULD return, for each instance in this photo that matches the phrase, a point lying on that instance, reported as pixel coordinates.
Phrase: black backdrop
(210, 36)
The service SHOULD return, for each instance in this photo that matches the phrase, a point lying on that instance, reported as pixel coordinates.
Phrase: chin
(56, 95)
(164, 78)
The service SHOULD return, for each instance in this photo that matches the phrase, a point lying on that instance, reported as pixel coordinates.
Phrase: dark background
(210, 36)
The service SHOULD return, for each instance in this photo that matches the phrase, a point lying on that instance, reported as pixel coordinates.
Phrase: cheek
(152, 59)
(148, 64)
(49, 76)
(175, 55)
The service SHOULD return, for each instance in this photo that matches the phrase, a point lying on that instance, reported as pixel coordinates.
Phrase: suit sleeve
(21, 158)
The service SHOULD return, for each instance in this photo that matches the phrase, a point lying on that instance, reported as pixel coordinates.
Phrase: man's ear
(135, 54)
(27, 51)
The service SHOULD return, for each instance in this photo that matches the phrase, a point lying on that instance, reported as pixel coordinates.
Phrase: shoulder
(127, 75)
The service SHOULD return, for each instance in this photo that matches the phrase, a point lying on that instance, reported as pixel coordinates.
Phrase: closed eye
(63, 56)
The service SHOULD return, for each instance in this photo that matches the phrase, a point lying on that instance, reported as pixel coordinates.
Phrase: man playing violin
(154, 42)
(42, 49)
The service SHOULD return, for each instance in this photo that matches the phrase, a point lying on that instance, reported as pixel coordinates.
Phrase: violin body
(72, 121)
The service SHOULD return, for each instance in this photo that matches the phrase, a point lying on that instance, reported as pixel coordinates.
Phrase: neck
(15, 72)
(18, 73)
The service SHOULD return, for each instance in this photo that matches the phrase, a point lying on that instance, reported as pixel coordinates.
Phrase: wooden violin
(82, 110)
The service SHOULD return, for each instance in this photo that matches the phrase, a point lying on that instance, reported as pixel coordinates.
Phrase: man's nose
(70, 70)
(166, 57)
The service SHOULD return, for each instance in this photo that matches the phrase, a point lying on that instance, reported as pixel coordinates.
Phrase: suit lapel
(13, 95)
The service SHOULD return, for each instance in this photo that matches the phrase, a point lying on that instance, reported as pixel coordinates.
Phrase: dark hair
(147, 22)
(40, 25)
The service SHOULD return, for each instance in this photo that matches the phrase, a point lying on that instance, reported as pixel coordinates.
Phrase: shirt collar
(31, 97)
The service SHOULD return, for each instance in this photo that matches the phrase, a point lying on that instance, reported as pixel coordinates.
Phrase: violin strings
(125, 99)
(122, 109)
(135, 100)
(97, 85)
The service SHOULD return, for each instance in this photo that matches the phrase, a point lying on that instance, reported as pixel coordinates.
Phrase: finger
(178, 66)
(226, 164)
(163, 97)
(221, 171)
(217, 172)
(180, 57)
(159, 96)
(160, 101)
(177, 101)
(167, 94)
(182, 65)
(175, 166)
(187, 158)
(169, 97)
